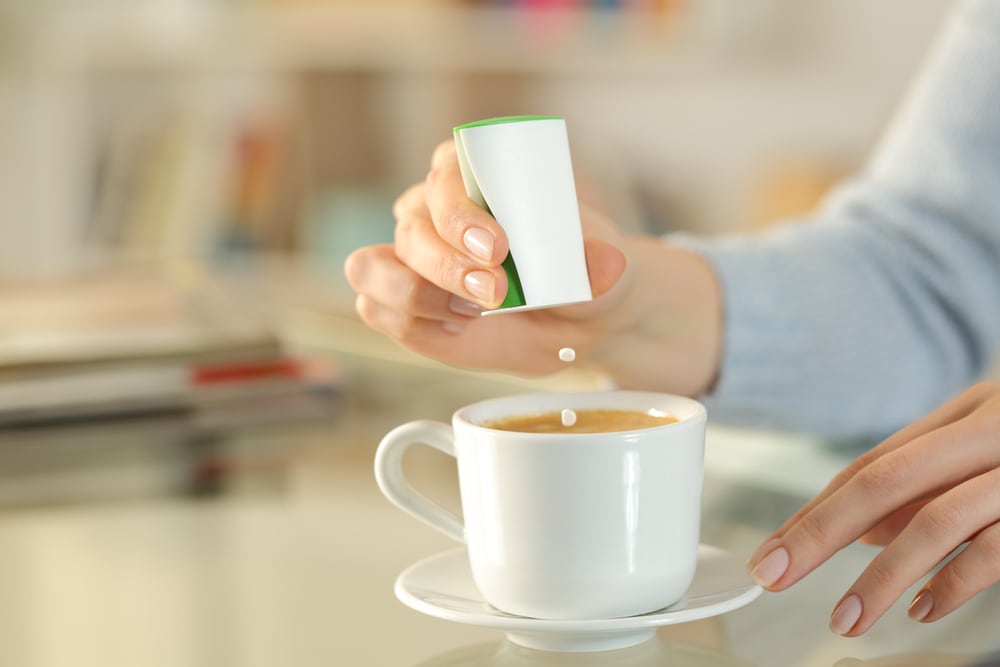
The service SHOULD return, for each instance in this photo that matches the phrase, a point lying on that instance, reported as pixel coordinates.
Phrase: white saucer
(442, 586)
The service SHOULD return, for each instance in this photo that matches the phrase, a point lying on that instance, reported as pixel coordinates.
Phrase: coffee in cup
(587, 421)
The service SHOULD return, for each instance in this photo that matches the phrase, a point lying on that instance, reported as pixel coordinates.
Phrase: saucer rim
(499, 620)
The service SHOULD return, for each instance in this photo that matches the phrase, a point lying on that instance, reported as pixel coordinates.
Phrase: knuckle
(985, 388)
(984, 425)
(881, 477)
(939, 519)
(399, 208)
(356, 267)
(815, 528)
(448, 269)
(988, 542)
(411, 296)
(990, 415)
(397, 325)
(408, 329)
(971, 570)
(954, 580)
(403, 234)
(880, 575)
(451, 220)
(982, 394)
(848, 473)
(407, 202)
(404, 329)
(366, 310)
(390, 322)
(443, 151)
(436, 174)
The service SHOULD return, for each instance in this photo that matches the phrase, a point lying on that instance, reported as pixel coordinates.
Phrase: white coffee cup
(566, 525)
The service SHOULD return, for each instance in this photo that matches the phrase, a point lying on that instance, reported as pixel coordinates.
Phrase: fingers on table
(971, 508)
(853, 504)
(952, 411)
(941, 458)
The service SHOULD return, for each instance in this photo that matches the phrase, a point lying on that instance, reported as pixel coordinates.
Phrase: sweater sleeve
(885, 302)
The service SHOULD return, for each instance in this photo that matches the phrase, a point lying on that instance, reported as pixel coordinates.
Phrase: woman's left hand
(929, 488)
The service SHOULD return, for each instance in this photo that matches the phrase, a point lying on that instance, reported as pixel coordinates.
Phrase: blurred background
(188, 404)
(213, 129)
(181, 181)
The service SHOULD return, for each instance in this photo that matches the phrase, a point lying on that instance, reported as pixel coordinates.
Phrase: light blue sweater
(886, 302)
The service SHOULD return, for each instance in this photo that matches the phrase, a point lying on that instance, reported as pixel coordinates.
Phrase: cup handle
(394, 485)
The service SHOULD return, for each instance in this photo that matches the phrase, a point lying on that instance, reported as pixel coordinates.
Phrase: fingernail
(479, 242)
(921, 606)
(771, 567)
(846, 615)
(480, 285)
(463, 306)
(760, 551)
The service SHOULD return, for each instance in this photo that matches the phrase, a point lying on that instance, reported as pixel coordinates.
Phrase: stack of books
(132, 343)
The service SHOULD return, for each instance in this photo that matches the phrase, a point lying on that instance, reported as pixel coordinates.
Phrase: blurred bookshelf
(209, 130)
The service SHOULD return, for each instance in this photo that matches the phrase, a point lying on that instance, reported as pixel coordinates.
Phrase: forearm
(885, 302)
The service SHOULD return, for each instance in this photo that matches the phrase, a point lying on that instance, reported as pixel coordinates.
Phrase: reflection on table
(656, 652)
(660, 652)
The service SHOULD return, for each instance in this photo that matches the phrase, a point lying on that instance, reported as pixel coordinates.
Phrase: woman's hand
(428, 288)
(926, 490)
(655, 325)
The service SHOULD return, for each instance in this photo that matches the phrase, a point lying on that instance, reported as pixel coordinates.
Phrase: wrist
(665, 329)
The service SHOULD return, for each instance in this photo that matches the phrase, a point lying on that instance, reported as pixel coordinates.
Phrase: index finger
(461, 222)
(952, 411)
(932, 461)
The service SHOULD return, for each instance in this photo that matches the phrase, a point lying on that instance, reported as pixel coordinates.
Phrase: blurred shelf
(147, 121)
(407, 37)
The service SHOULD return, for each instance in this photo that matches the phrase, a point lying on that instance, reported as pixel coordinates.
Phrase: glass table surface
(272, 545)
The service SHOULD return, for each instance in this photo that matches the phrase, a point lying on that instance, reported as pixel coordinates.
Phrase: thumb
(605, 265)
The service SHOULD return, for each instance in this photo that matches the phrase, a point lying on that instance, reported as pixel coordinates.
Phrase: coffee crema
(587, 421)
